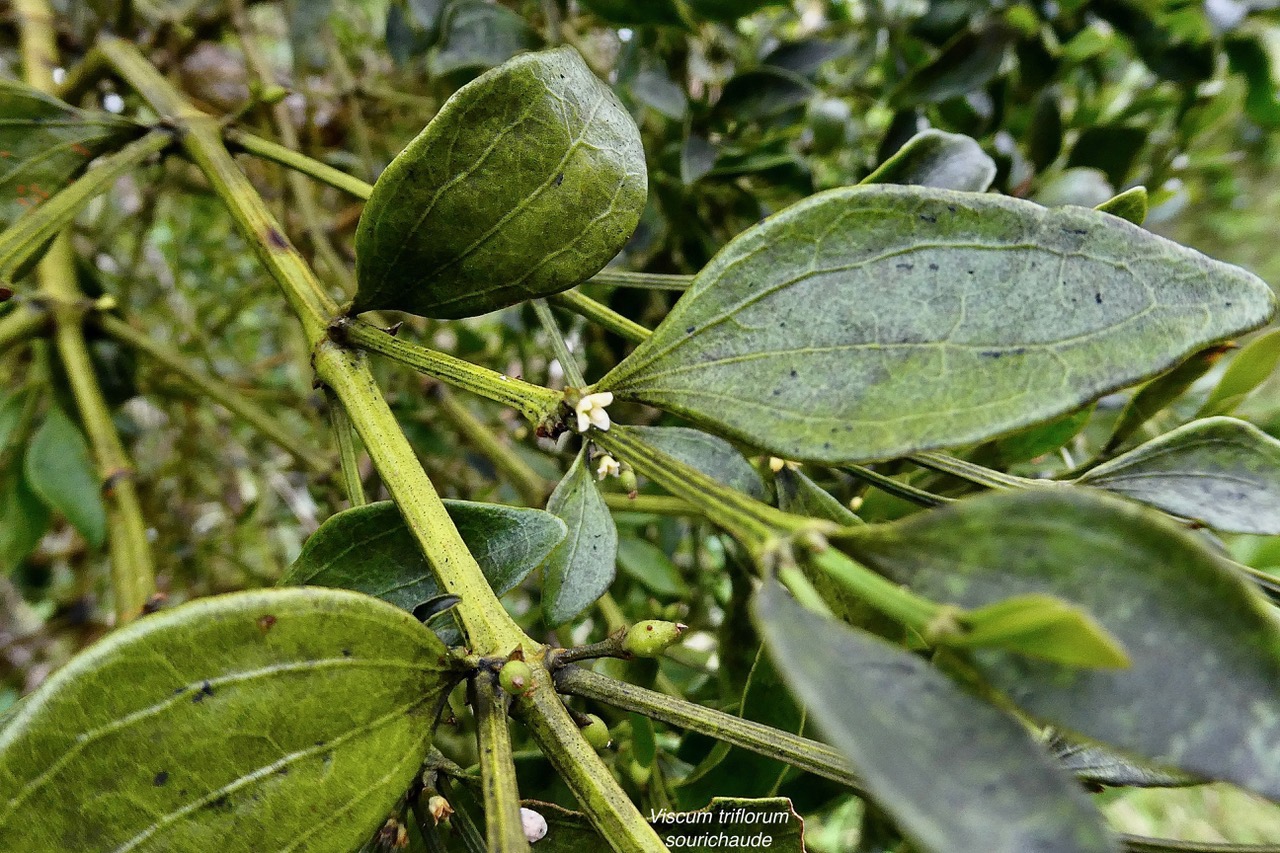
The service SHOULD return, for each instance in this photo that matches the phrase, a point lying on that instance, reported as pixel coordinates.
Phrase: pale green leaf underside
(898, 721)
(371, 550)
(1219, 471)
(283, 720)
(1202, 693)
(582, 567)
(528, 181)
(870, 322)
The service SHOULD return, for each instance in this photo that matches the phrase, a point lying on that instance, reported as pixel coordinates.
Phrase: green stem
(572, 372)
(82, 77)
(504, 830)
(132, 569)
(276, 153)
(472, 840)
(609, 808)
(756, 524)
(348, 453)
(302, 192)
(29, 234)
(20, 325)
(977, 474)
(642, 280)
(897, 488)
(656, 504)
(881, 593)
(530, 485)
(533, 401)
(801, 752)
(602, 315)
(214, 389)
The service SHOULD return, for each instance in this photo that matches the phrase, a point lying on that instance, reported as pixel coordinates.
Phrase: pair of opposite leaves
(861, 323)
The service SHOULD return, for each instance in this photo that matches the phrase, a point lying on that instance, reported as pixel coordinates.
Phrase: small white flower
(608, 467)
(591, 411)
(535, 825)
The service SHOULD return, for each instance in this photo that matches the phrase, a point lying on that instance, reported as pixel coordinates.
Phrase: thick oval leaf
(1203, 686)
(60, 470)
(956, 774)
(266, 720)
(1219, 471)
(710, 454)
(935, 158)
(369, 549)
(870, 322)
(651, 566)
(45, 143)
(581, 568)
(527, 182)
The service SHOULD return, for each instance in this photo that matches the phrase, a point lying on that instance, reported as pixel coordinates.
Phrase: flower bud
(650, 638)
(534, 825)
(438, 807)
(515, 676)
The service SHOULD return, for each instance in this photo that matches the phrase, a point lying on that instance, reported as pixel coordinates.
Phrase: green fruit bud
(650, 638)
(596, 731)
(515, 676)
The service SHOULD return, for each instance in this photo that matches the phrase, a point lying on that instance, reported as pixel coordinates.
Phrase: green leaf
(528, 181)
(1219, 471)
(45, 144)
(265, 720)
(475, 34)
(651, 566)
(710, 454)
(1098, 765)
(762, 93)
(1038, 440)
(582, 567)
(1046, 628)
(871, 322)
(934, 158)
(898, 720)
(11, 409)
(369, 549)
(1130, 205)
(1204, 680)
(1250, 367)
(968, 62)
(630, 12)
(60, 470)
(24, 519)
(799, 495)
(1149, 400)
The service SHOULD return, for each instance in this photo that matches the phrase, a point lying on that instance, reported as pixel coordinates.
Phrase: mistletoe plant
(967, 666)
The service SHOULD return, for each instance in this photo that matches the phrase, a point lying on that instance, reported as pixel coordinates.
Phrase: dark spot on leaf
(969, 271)
(161, 778)
(1097, 297)
(951, 207)
(1078, 231)
(689, 331)
(559, 179)
(283, 771)
(346, 653)
(221, 803)
(276, 240)
(6, 294)
(794, 374)
(1228, 304)
(933, 267)
(906, 266)
(266, 622)
(929, 217)
(206, 689)
(992, 353)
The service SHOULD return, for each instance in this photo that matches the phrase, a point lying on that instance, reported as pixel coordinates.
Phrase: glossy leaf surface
(871, 322)
(527, 182)
(266, 720)
(60, 470)
(1220, 471)
(898, 720)
(369, 549)
(1202, 692)
(935, 158)
(581, 567)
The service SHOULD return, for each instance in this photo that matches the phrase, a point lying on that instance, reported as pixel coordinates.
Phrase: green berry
(596, 731)
(515, 676)
(650, 638)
